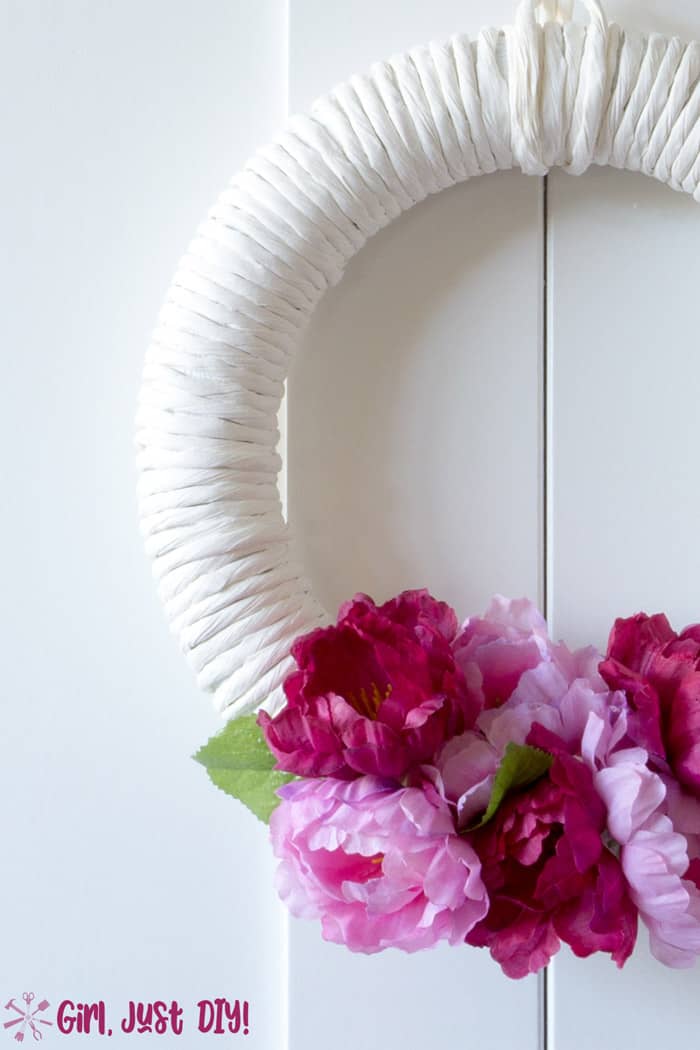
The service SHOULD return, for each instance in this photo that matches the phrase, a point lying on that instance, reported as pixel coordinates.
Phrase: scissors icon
(29, 998)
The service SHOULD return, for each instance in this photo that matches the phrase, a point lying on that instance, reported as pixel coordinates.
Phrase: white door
(500, 396)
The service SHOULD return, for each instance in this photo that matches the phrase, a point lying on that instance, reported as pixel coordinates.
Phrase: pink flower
(497, 650)
(380, 867)
(654, 856)
(655, 861)
(550, 877)
(550, 873)
(377, 693)
(553, 687)
(660, 672)
(585, 720)
(464, 773)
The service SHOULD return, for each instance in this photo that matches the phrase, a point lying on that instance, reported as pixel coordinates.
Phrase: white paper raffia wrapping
(544, 92)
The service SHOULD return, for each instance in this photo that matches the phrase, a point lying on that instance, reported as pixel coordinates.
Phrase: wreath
(424, 779)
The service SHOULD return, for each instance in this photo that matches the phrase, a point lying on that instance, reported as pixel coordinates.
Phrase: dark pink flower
(549, 876)
(660, 672)
(377, 693)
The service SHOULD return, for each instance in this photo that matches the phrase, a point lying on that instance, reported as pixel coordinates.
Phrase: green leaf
(239, 745)
(254, 789)
(239, 762)
(520, 766)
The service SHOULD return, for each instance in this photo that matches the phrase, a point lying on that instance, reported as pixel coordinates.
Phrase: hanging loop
(531, 11)
(536, 73)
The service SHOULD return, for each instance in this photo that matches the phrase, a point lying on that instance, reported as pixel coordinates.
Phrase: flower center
(337, 866)
(369, 700)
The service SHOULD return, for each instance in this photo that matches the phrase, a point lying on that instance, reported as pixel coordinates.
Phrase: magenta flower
(381, 867)
(378, 693)
(546, 863)
(549, 862)
(660, 673)
(550, 877)
(653, 854)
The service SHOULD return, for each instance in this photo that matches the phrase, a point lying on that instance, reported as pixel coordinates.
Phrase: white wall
(124, 873)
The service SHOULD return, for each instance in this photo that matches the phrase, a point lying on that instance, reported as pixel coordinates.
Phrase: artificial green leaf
(239, 762)
(520, 766)
(253, 788)
(239, 745)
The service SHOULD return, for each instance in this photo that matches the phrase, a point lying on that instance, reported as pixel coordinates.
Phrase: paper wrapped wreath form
(424, 780)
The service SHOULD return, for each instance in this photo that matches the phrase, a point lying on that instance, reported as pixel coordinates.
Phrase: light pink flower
(495, 652)
(654, 857)
(380, 867)
(548, 685)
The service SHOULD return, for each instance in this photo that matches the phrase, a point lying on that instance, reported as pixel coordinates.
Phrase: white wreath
(533, 96)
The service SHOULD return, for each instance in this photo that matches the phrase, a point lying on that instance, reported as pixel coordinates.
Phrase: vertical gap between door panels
(284, 919)
(545, 407)
(286, 1041)
(546, 978)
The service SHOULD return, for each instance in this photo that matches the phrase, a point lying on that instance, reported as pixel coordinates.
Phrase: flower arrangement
(481, 784)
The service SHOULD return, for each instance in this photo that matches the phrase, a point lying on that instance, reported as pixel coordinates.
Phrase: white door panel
(415, 459)
(414, 443)
(625, 385)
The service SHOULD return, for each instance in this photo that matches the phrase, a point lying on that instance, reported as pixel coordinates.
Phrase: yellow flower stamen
(370, 701)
